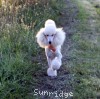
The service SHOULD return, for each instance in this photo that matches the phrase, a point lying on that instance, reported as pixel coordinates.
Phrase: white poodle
(51, 38)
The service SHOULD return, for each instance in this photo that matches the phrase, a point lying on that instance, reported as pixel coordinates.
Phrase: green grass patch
(85, 57)
(18, 48)
(96, 5)
(82, 15)
(98, 11)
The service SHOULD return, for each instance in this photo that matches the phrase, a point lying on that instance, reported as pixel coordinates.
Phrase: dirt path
(64, 80)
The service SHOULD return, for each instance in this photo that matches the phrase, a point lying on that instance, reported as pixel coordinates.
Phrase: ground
(80, 21)
(63, 81)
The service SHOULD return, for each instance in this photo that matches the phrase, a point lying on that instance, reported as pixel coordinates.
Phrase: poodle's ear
(40, 32)
(41, 38)
(59, 37)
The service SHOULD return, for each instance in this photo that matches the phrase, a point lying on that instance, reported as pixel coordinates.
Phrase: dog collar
(52, 48)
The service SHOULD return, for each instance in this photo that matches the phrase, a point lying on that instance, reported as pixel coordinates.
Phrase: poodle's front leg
(47, 55)
(50, 71)
(58, 54)
(49, 61)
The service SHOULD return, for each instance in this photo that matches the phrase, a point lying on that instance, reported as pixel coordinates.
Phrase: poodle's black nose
(49, 42)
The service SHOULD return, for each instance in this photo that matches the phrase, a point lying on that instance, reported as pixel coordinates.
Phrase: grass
(18, 48)
(96, 5)
(98, 10)
(86, 57)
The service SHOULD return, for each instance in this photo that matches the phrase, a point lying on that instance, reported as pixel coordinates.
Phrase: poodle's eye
(47, 35)
(52, 35)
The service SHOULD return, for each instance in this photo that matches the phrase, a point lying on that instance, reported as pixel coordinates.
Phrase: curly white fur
(51, 35)
(56, 63)
(51, 72)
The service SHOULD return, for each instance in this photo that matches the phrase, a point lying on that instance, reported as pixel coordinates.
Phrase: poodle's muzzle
(50, 38)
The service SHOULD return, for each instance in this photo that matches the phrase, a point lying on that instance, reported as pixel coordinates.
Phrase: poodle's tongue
(52, 48)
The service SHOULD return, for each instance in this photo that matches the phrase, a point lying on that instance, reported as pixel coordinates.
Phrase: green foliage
(98, 11)
(86, 55)
(18, 47)
(35, 16)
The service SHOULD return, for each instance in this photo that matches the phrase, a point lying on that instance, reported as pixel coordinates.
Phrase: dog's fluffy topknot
(50, 27)
(49, 21)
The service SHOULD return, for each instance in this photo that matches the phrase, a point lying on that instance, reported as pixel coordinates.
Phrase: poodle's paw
(51, 72)
(56, 64)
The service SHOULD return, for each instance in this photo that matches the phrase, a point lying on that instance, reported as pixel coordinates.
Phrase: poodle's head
(50, 35)
(50, 31)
